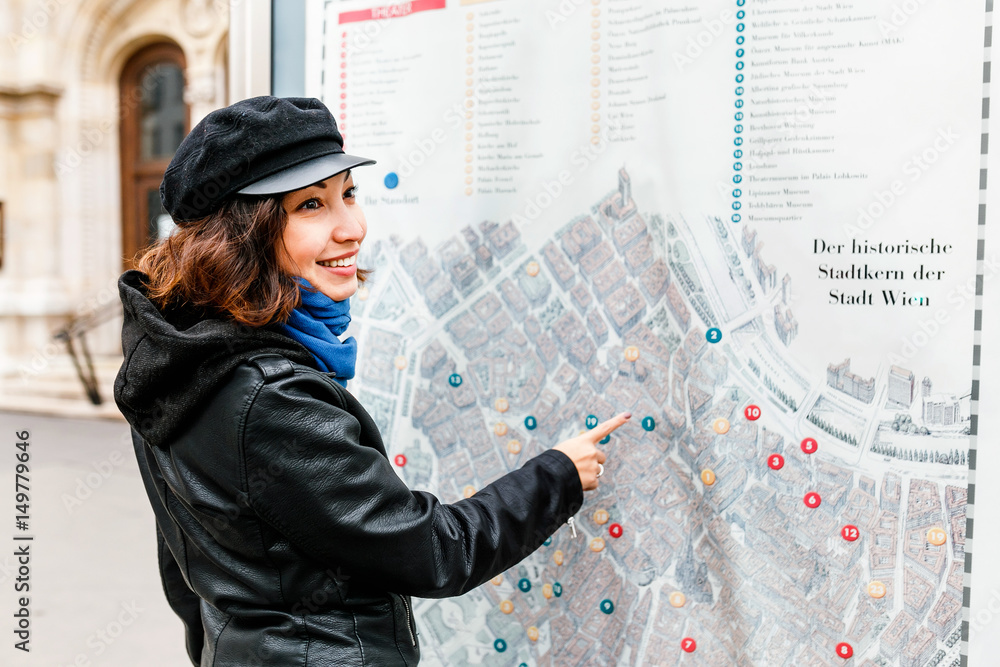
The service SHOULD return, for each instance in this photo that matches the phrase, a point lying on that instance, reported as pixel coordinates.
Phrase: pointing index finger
(605, 428)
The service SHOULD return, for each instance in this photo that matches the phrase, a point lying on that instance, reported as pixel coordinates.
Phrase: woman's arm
(310, 477)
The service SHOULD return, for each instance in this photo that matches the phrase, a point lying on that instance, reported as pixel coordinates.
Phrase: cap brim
(305, 174)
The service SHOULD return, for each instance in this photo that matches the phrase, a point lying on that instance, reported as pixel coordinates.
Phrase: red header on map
(390, 11)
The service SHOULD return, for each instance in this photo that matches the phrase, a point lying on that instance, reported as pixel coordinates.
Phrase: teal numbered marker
(524, 585)
(648, 423)
(591, 421)
(530, 423)
(713, 335)
(607, 606)
(557, 589)
(500, 645)
(455, 380)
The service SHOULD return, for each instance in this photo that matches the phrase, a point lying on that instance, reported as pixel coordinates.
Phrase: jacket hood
(175, 359)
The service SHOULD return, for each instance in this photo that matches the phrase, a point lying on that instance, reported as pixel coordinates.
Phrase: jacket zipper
(572, 526)
(408, 628)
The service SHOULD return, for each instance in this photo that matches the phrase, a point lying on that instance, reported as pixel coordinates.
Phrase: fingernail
(628, 415)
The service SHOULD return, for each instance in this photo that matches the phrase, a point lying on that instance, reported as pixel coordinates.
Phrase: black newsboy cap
(258, 146)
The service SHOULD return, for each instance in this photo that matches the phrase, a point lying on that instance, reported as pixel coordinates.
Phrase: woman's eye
(310, 204)
(351, 192)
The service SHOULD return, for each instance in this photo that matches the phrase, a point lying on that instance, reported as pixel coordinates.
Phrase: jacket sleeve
(184, 602)
(340, 501)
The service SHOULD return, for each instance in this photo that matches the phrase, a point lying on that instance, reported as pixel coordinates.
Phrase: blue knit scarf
(316, 323)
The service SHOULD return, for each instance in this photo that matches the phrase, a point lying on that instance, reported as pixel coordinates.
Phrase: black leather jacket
(285, 537)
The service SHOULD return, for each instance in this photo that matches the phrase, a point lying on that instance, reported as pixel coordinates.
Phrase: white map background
(537, 306)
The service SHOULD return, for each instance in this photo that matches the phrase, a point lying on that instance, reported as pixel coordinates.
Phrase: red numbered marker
(776, 461)
(400, 460)
(689, 644)
(844, 650)
(809, 445)
(849, 532)
(812, 499)
(615, 530)
(752, 413)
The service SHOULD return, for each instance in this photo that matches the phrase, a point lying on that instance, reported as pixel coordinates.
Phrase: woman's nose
(348, 226)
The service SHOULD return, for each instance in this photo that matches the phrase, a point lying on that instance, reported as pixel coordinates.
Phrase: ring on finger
(600, 469)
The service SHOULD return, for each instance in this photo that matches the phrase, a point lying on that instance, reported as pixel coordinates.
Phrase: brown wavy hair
(227, 264)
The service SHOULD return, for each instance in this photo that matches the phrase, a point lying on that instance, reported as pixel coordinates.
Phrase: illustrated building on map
(766, 273)
(902, 387)
(895, 637)
(939, 409)
(840, 377)
(785, 324)
(786, 289)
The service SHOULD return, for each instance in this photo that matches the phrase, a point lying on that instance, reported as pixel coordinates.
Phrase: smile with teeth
(346, 261)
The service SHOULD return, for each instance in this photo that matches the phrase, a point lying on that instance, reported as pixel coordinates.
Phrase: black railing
(76, 329)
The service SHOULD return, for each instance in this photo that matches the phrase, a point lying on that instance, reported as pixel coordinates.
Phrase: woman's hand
(583, 451)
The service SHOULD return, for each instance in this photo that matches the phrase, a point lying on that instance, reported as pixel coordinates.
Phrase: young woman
(285, 537)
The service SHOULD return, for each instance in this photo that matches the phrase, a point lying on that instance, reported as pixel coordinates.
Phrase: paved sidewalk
(95, 595)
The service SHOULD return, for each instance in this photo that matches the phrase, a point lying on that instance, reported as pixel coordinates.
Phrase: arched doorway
(153, 119)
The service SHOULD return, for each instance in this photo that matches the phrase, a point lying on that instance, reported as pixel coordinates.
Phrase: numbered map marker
(532, 268)
(557, 589)
(400, 362)
(547, 591)
(876, 589)
(591, 421)
(497, 580)
(507, 607)
(607, 606)
(533, 634)
(455, 380)
(514, 447)
(631, 353)
(775, 461)
(530, 423)
(605, 440)
(500, 645)
(648, 423)
(849, 532)
(721, 426)
(937, 536)
(524, 584)
(500, 429)
(469, 491)
(601, 516)
(558, 557)
(809, 445)
(752, 412)
(689, 645)
(597, 544)
(845, 650)
(677, 599)
(812, 499)
(400, 460)
(707, 477)
(713, 335)
(501, 404)
(615, 530)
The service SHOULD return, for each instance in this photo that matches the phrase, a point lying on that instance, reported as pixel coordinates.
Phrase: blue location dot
(591, 421)
(500, 645)
(648, 423)
(391, 180)
(605, 440)
(607, 606)
(548, 541)
(557, 589)
(524, 585)
(455, 380)
(713, 335)
(530, 423)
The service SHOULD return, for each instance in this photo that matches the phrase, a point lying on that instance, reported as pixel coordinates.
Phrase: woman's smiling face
(323, 235)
